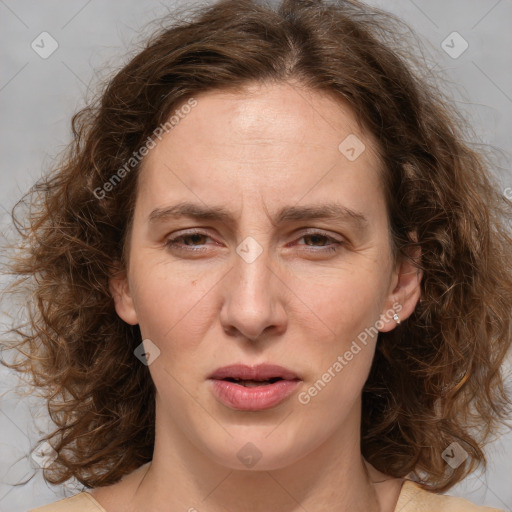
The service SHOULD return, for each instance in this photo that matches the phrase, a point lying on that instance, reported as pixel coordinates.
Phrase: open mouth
(252, 383)
(245, 390)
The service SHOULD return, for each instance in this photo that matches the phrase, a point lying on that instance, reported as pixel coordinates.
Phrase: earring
(396, 319)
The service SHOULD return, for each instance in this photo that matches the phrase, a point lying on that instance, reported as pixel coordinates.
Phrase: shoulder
(82, 502)
(415, 499)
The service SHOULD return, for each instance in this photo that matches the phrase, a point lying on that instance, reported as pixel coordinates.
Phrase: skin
(297, 304)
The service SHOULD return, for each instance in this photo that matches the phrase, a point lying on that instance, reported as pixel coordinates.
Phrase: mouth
(253, 388)
(252, 383)
(249, 376)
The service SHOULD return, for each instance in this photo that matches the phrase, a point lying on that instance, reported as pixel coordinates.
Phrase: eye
(195, 241)
(324, 242)
(191, 241)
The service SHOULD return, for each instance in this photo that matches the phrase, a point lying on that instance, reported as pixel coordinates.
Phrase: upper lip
(258, 372)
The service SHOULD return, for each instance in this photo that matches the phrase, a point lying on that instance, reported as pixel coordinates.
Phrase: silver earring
(396, 319)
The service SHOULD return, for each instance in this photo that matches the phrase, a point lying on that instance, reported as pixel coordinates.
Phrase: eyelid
(319, 231)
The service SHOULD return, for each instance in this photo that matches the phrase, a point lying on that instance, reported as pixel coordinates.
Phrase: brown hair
(434, 378)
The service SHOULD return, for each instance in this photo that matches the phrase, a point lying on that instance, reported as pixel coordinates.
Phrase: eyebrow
(326, 211)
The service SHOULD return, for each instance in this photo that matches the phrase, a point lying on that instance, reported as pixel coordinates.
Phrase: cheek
(340, 348)
(342, 301)
(341, 337)
(173, 305)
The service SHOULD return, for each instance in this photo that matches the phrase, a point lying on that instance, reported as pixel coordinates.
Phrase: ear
(405, 290)
(120, 290)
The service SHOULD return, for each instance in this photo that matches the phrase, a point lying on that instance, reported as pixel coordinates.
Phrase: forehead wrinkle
(287, 214)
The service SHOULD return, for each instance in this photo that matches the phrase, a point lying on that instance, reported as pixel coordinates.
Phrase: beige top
(412, 499)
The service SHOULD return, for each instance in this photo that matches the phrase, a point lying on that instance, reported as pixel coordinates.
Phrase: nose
(254, 298)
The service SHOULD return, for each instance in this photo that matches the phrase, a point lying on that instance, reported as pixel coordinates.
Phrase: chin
(253, 449)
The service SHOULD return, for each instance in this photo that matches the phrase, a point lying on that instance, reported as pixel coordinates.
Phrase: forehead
(279, 136)
(269, 113)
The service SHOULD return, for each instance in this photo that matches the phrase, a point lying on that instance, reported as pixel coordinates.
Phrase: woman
(269, 276)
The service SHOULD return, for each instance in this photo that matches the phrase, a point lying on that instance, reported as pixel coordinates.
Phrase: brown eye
(325, 243)
(196, 237)
(316, 238)
(192, 241)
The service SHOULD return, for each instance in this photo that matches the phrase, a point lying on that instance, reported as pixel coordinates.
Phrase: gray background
(38, 97)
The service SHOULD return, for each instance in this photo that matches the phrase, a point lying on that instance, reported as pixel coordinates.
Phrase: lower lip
(255, 398)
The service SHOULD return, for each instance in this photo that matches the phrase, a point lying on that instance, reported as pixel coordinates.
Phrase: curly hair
(435, 379)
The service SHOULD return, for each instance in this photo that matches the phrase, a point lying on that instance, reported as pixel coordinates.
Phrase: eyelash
(171, 243)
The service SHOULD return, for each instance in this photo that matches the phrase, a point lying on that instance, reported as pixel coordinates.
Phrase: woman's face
(290, 265)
